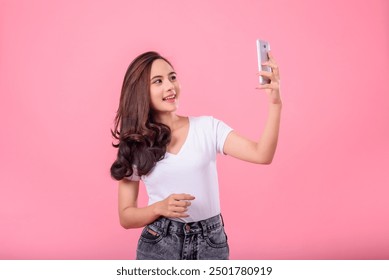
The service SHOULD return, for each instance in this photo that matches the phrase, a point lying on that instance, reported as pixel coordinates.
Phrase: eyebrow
(159, 76)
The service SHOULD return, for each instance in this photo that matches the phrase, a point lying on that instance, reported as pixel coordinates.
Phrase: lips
(169, 97)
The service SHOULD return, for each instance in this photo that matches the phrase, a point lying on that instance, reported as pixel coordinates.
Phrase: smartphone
(262, 48)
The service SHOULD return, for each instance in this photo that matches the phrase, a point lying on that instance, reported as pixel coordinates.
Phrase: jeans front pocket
(217, 237)
(151, 235)
(154, 245)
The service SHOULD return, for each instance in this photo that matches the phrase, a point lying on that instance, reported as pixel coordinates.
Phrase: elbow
(126, 224)
(126, 218)
(264, 160)
(267, 162)
(264, 156)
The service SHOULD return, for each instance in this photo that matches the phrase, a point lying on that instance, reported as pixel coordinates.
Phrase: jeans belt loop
(221, 218)
(166, 224)
(205, 229)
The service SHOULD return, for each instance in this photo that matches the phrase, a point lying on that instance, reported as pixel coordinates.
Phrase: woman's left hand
(273, 88)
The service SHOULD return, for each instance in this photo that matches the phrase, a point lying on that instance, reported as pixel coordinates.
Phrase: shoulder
(203, 120)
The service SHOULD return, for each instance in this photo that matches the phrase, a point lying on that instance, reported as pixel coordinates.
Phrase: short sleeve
(221, 131)
(134, 176)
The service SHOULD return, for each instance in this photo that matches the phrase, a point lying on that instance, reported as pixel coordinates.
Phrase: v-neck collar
(185, 142)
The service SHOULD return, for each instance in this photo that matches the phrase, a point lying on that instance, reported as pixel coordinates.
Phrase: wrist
(276, 102)
(156, 209)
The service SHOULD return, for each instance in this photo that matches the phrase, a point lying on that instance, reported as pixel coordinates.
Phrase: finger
(274, 67)
(176, 215)
(183, 196)
(182, 203)
(270, 55)
(178, 209)
(268, 75)
(265, 74)
(271, 58)
(179, 215)
(268, 86)
(270, 63)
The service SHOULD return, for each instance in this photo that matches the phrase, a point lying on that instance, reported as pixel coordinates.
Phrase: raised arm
(261, 152)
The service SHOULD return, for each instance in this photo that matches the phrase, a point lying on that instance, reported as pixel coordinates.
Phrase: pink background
(61, 67)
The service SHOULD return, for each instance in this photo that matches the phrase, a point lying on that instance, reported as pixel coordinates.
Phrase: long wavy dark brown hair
(141, 140)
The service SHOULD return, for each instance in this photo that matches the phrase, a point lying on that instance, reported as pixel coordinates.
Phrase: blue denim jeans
(165, 239)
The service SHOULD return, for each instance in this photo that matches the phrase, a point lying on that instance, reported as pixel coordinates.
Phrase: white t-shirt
(192, 170)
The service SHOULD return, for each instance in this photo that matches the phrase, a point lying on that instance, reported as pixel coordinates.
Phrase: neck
(169, 119)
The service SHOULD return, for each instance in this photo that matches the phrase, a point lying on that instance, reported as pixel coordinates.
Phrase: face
(164, 87)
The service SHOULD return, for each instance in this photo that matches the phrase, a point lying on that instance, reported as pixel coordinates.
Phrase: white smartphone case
(262, 49)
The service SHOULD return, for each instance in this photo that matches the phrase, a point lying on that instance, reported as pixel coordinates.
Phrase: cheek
(154, 93)
(155, 96)
(178, 88)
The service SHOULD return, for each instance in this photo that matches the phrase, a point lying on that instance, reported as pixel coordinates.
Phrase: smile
(170, 97)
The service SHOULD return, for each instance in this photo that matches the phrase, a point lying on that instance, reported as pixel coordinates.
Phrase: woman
(175, 156)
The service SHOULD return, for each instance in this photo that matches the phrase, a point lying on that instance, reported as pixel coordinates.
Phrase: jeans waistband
(164, 226)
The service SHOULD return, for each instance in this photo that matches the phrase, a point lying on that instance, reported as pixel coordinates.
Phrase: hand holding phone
(263, 47)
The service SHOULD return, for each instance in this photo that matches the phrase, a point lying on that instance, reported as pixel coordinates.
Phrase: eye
(173, 77)
(157, 81)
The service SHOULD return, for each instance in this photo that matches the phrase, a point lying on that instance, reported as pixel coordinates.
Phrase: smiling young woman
(168, 153)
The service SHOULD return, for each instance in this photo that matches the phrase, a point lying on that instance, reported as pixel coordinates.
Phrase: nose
(169, 85)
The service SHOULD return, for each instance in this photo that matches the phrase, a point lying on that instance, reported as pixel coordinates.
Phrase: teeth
(170, 97)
